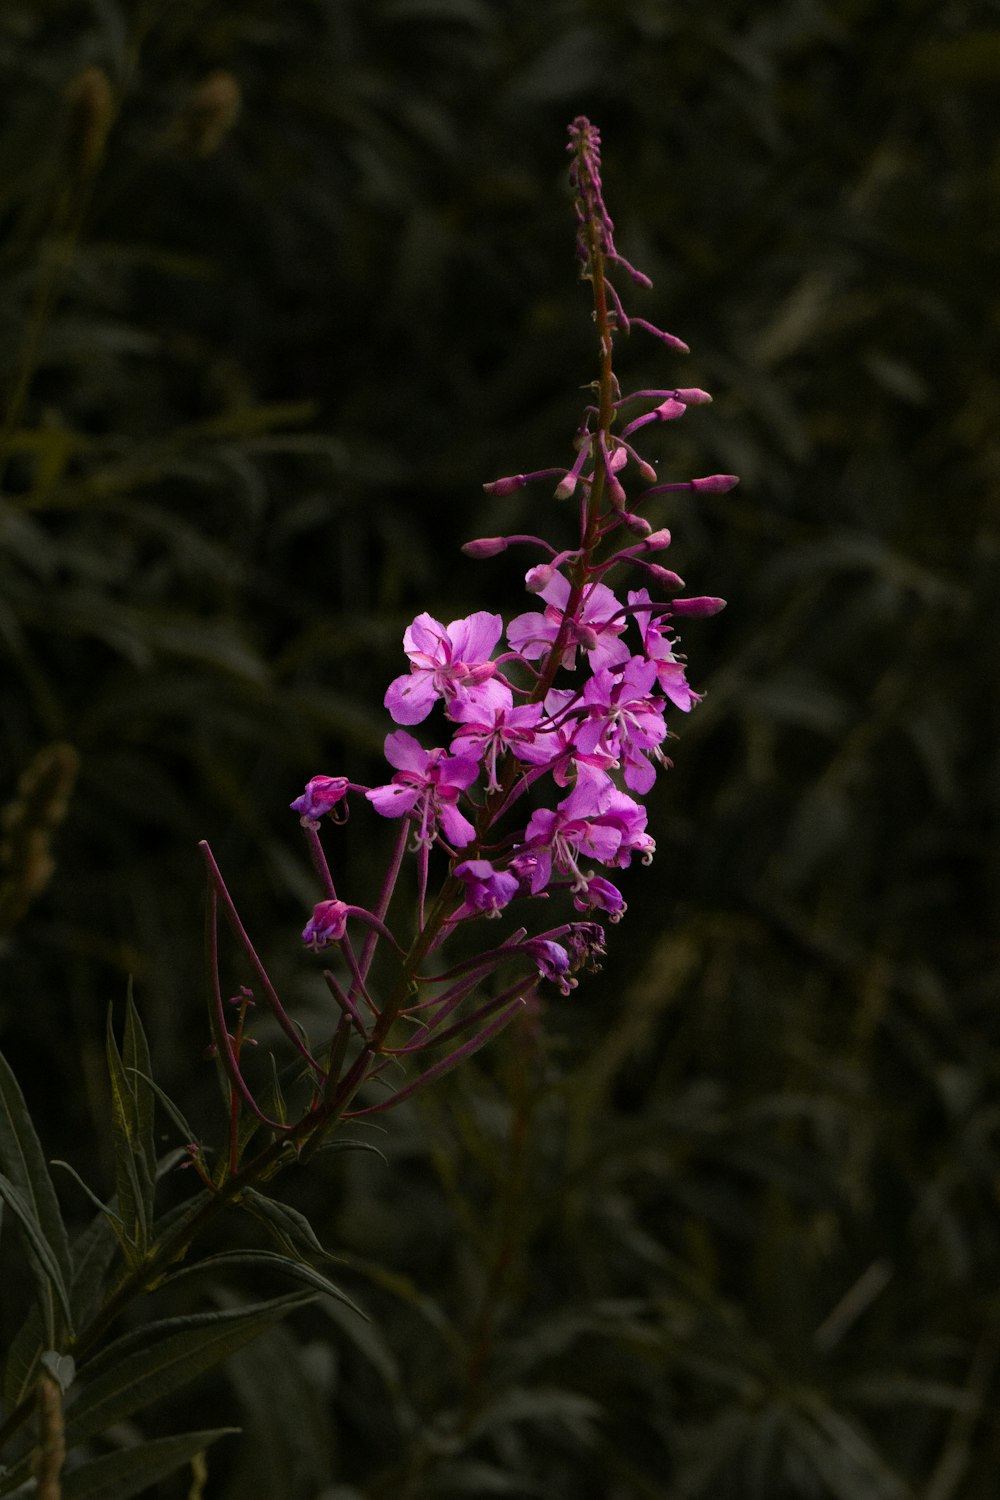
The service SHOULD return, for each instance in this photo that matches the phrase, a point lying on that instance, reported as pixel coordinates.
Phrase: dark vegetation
(282, 285)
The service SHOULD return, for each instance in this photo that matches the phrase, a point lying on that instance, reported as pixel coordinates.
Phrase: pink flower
(552, 961)
(444, 660)
(600, 893)
(625, 721)
(489, 730)
(658, 644)
(555, 838)
(486, 889)
(327, 924)
(321, 795)
(428, 783)
(596, 625)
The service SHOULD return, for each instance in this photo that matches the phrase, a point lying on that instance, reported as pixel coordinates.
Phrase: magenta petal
(424, 637)
(531, 634)
(410, 699)
(404, 752)
(392, 801)
(458, 830)
(475, 638)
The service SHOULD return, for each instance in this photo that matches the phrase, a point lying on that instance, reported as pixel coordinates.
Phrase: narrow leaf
(267, 1260)
(117, 1476)
(144, 1366)
(132, 1175)
(138, 1066)
(23, 1162)
(48, 1271)
(290, 1229)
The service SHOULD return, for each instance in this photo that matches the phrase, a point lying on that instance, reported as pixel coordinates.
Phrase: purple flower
(596, 892)
(327, 924)
(625, 721)
(428, 783)
(486, 889)
(554, 838)
(596, 625)
(623, 823)
(552, 961)
(321, 795)
(490, 730)
(658, 645)
(444, 660)
(585, 942)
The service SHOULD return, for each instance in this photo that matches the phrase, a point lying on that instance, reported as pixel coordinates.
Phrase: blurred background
(281, 285)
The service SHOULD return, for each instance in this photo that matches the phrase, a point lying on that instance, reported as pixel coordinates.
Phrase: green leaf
(138, 1066)
(268, 1260)
(117, 1476)
(93, 1253)
(134, 1174)
(290, 1229)
(144, 1366)
(48, 1271)
(27, 1176)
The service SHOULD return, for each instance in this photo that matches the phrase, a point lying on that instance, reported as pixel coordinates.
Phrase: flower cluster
(563, 712)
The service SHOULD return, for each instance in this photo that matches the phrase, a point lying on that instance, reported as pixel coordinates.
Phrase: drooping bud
(485, 546)
(506, 486)
(637, 525)
(667, 579)
(715, 484)
(670, 339)
(697, 607)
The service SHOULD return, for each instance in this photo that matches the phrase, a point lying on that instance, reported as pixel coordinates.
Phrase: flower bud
(485, 546)
(321, 795)
(692, 396)
(506, 486)
(327, 924)
(697, 607)
(666, 579)
(538, 578)
(637, 525)
(715, 484)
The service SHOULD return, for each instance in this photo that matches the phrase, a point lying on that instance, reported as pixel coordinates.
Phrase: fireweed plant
(550, 731)
(555, 728)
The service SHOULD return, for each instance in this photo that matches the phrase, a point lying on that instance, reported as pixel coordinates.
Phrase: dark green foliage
(280, 287)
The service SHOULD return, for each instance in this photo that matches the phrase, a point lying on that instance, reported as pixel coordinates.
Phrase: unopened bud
(565, 487)
(657, 540)
(616, 493)
(668, 580)
(715, 484)
(697, 607)
(506, 486)
(538, 578)
(692, 396)
(670, 339)
(637, 525)
(485, 546)
(646, 471)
